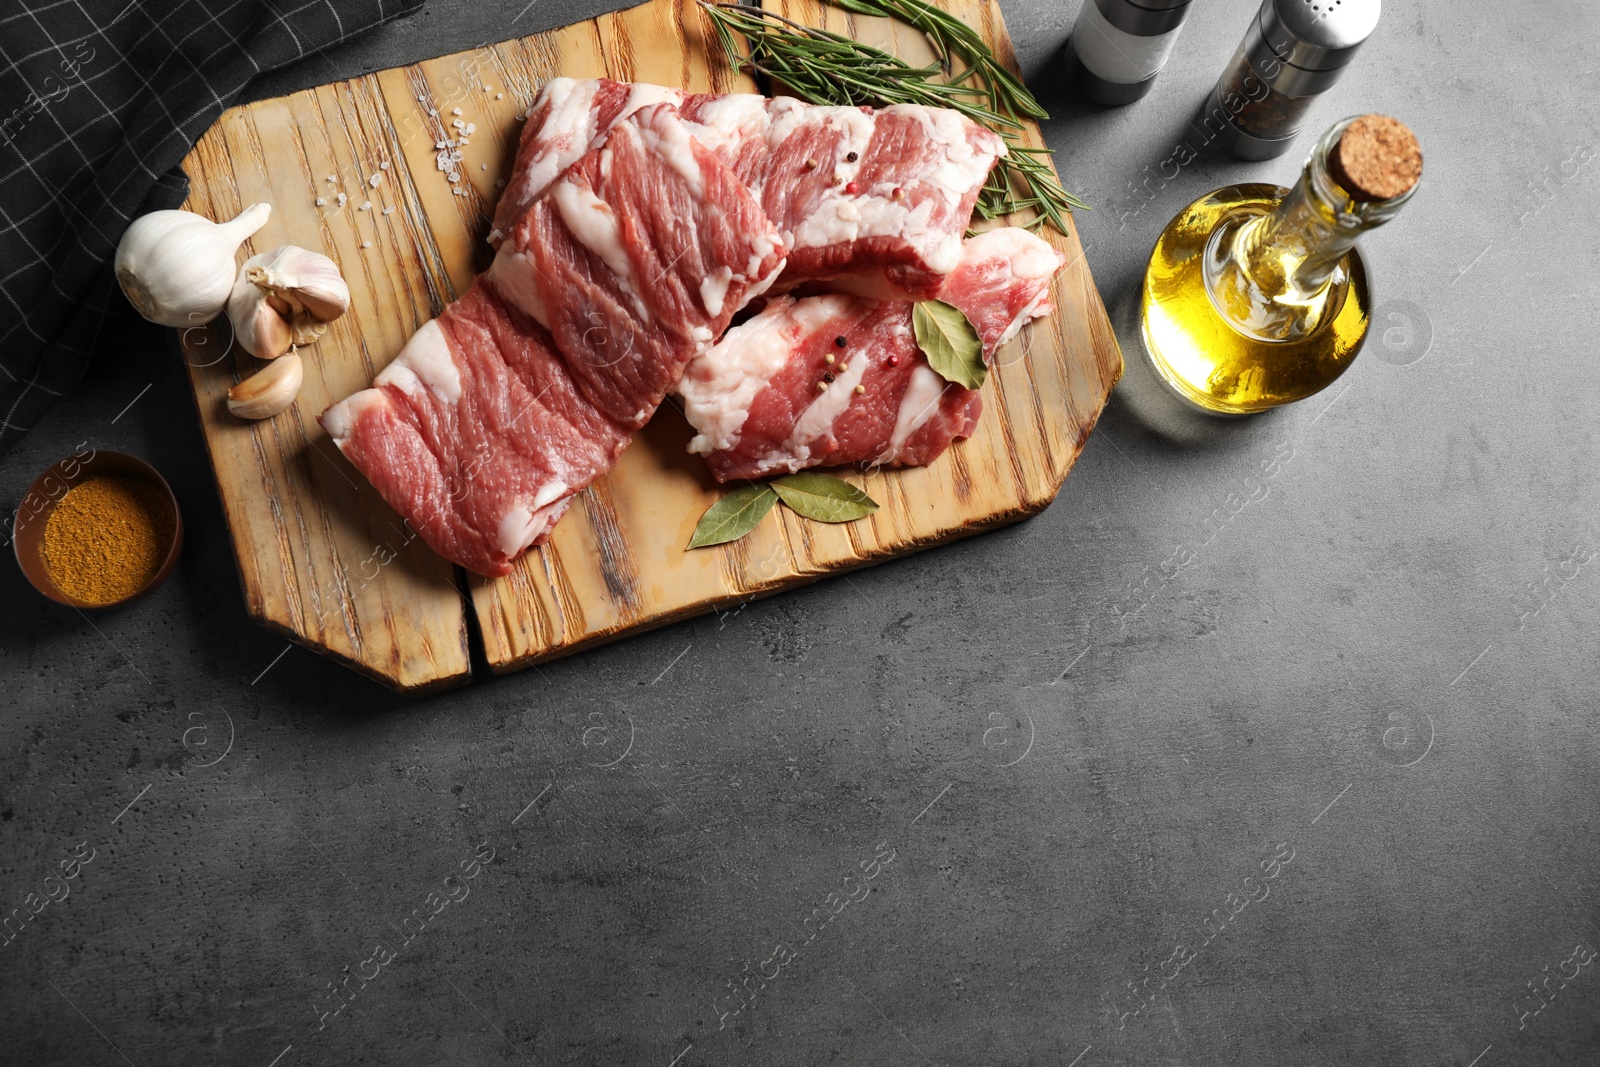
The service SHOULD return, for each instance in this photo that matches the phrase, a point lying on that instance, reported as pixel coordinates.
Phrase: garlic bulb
(283, 298)
(176, 267)
(269, 390)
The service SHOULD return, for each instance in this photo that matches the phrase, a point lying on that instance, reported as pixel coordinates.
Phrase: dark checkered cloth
(100, 100)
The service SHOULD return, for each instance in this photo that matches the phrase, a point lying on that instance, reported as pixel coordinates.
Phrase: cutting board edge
(435, 683)
(1026, 509)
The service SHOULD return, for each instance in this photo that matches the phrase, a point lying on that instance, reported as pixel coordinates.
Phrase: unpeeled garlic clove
(305, 329)
(307, 281)
(268, 391)
(257, 326)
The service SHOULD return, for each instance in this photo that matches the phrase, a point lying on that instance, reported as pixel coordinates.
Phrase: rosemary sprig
(951, 37)
(824, 67)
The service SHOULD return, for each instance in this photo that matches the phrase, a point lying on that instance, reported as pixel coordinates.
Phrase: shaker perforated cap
(1318, 34)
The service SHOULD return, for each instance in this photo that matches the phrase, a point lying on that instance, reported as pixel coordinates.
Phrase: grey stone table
(1324, 795)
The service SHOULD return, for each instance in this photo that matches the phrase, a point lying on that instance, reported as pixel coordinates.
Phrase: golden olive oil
(1209, 354)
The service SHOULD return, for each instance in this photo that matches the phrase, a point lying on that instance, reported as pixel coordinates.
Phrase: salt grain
(388, 211)
(384, 165)
(455, 177)
(483, 166)
(321, 201)
(342, 199)
(375, 181)
(366, 244)
(366, 205)
(455, 111)
(499, 96)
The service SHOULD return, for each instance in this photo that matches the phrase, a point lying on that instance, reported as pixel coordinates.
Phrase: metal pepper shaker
(1118, 47)
(1293, 52)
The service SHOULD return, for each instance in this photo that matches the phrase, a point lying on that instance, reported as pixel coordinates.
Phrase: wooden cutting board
(324, 561)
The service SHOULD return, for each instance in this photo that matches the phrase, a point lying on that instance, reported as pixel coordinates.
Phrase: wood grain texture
(323, 560)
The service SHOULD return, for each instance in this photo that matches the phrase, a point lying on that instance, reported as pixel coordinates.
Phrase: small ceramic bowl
(27, 528)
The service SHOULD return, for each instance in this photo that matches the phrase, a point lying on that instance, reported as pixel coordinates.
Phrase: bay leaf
(952, 346)
(735, 515)
(823, 497)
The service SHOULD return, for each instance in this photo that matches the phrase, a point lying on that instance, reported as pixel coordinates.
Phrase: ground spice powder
(106, 538)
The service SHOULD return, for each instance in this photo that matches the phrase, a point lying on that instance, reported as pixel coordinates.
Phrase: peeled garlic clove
(176, 267)
(257, 325)
(268, 391)
(306, 280)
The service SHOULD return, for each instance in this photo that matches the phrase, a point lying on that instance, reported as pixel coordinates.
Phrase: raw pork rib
(779, 393)
(527, 388)
(877, 199)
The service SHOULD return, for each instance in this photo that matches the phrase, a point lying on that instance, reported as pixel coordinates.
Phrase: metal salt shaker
(1294, 51)
(1118, 47)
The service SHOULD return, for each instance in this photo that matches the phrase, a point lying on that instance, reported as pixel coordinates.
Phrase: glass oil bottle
(1256, 295)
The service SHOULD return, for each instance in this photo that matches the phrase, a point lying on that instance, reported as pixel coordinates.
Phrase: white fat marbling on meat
(963, 165)
(643, 94)
(721, 383)
(567, 130)
(1028, 256)
(515, 531)
(729, 120)
(1037, 308)
(759, 288)
(672, 143)
(714, 290)
(844, 217)
(425, 361)
(549, 493)
(340, 419)
(524, 522)
(761, 246)
(917, 406)
(820, 415)
(593, 224)
(857, 126)
(513, 276)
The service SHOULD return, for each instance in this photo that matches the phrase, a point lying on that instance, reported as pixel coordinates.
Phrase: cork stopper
(1377, 158)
